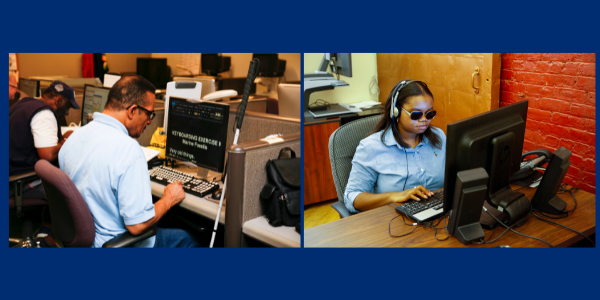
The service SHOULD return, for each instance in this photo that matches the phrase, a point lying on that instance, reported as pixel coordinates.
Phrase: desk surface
(283, 236)
(370, 229)
(201, 206)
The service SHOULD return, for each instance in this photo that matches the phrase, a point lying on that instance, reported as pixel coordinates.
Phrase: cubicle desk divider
(247, 176)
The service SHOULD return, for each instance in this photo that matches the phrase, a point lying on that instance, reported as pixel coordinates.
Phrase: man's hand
(412, 194)
(174, 192)
(67, 134)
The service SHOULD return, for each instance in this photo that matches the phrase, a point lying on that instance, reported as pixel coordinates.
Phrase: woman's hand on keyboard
(417, 193)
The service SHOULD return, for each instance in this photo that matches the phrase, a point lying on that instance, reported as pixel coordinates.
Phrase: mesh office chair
(72, 221)
(342, 145)
(24, 208)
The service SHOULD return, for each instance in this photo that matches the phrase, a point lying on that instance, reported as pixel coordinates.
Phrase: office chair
(24, 207)
(342, 145)
(72, 221)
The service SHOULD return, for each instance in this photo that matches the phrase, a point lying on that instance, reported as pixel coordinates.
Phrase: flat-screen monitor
(492, 140)
(289, 100)
(197, 133)
(154, 70)
(339, 63)
(214, 63)
(30, 87)
(270, 65)
(94, 100)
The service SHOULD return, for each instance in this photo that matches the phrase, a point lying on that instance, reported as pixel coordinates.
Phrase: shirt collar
(389, 140)
(110, 121)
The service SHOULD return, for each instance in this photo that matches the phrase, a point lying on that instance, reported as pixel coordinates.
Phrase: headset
(394, 113)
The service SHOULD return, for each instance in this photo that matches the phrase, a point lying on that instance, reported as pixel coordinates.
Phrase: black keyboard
(191, 185)
(435, 202)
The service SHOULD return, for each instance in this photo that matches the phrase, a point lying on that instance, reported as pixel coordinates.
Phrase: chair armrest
(126, 239)
(23, 176)
(341, 209)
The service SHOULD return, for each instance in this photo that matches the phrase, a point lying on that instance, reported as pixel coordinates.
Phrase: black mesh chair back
(342, 145)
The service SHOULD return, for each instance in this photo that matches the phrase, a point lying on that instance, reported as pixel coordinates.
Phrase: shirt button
(422, 170)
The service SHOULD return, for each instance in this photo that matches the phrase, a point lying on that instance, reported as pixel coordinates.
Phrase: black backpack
(280, 197)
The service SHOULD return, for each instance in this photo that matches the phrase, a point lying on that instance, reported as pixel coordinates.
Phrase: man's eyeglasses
(150, 114)
(417, 115)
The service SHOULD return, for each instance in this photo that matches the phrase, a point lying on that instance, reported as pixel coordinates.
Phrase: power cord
(594, 244)
(510, 228)
(429, 224)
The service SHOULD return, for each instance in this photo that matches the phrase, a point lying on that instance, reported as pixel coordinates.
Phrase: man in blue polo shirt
(110, 171)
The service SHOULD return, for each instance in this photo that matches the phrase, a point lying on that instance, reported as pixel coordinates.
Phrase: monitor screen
(470, 144)
(197, 132)
(94, 100)
(29, 87)
(268, 65)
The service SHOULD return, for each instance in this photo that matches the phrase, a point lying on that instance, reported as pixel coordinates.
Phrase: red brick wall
(561, 89)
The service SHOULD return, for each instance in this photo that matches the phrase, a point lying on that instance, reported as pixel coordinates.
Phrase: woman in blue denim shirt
(404, 157)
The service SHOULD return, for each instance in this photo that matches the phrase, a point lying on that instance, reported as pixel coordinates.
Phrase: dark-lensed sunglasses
(417, 115)
(150, 114)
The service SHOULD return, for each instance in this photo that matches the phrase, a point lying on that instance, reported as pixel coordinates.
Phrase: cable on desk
(594, 244)
(429, 224)
(390, 226)
(521, 234)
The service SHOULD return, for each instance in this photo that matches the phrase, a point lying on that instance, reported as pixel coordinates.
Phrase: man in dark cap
(35, 133)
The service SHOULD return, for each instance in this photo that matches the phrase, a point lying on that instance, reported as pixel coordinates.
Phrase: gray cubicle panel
(256, 105)
(259, 125)
(247, 176)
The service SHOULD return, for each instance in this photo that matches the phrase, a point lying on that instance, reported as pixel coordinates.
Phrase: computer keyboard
(425, 209)
(191, 184)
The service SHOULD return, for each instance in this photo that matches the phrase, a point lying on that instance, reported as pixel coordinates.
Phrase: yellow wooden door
(462, 84)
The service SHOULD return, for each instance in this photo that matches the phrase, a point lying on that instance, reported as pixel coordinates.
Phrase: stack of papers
(149, 153)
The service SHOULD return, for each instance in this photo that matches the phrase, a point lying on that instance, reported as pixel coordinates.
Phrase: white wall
(364, 67)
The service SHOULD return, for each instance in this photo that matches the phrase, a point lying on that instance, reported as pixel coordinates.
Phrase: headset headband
(393, 109)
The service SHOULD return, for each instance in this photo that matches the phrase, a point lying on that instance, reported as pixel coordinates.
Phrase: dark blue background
(298, 26)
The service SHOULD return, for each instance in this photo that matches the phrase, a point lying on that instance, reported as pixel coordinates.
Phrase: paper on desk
(149, 153)
(351, 107)
(274, 138)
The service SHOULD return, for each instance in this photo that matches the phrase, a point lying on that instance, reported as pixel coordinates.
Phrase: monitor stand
(207, 174)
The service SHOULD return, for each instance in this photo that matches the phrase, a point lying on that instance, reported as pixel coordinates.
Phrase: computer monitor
(154, 70)
(545, 198)
(197, 133)
(340, 63)
(289, 100)
(214, 63)
(270, 64)
(492, 140)
(30, 87)
(94, 100)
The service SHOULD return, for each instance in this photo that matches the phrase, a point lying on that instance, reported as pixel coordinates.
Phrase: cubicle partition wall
(247, 176)
(258, 105)
(259, 125)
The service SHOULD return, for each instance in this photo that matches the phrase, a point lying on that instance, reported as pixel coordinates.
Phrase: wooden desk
(370, 229)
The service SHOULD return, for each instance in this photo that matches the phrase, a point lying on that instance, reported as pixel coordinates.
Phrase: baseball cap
(64, 90)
